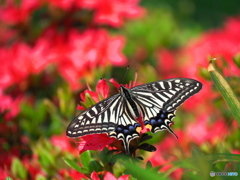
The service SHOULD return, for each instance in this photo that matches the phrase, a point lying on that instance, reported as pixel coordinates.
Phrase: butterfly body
(123, 115)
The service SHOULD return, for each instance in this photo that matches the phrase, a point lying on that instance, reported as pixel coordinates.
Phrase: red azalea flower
(86, 52)
(33, 167)
(200, 132)
(9, 106)
(94, 142)
(12, 13)
(3, 174)
(108, 176)
(112, 11)
(102, 90)
(94, 176)
(18, 62)
(167, 63)
(236, 151)
(130, 85)
(71, 173)
(216, 43)
(63, 142)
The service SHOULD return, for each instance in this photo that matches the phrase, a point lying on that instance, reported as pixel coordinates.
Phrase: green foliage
(226, 91)
(200, 165)
(140, 173)
(75, 166)
(8, 178)
(18, 169)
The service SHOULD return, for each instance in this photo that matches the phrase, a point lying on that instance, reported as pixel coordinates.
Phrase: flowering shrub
(53, 54)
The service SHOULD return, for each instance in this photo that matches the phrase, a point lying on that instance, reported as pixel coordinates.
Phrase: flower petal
(94, 142)
(102, 88)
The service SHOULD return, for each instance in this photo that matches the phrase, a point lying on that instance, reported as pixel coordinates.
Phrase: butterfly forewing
(166, 94)
(100, 118)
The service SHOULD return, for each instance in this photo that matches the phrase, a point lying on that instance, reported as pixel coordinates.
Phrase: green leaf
(18, 169)
(74, 165)
(95, 166)
(40, 177)
(8, 178)
(66, 102)
(46, 158)
(89, 101)
(236, 60)
(225, 91)
(86, 159)
(149, 165)
(140, 173)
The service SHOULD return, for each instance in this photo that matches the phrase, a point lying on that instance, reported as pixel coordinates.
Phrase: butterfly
(123, 115)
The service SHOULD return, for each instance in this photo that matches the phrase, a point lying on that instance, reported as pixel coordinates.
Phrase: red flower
(63, 142)
(86, 52)
(13, 14)
(112, 11)
(3, 174)
(200, 131)
(108, 176)
(94, 142)
(33, 167)
(217, 44)
(20, 61)
(102, 90)
(167, 64)
(9, 106)
(71, 173)
(94, 176)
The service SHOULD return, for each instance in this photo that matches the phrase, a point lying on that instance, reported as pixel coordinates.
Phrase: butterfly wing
(110, 116)
(159, 100)
(100, 118)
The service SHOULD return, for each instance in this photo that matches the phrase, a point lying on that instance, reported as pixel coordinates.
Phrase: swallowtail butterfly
(123, 115)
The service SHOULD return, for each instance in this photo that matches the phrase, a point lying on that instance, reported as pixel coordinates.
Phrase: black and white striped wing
(159, 100)
(109, 116)
(156, 102)
(100, 118)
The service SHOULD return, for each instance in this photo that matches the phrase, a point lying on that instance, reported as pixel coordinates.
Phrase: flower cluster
(47, 45)
(51, 48)
(105, 11)
(206, 129)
